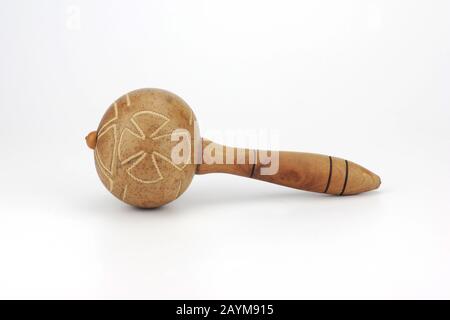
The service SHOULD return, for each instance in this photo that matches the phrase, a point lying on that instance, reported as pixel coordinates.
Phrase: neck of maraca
(217, 158)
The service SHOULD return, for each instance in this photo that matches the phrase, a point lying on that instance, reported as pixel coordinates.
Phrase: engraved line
(167, 120)
(128, 100)
(162, 136)
(170, 135)
(255, 154)
(157, 130)
(140, 153)
(346, 178)
(113, 164)
(157, 168)
(141, 133)
(125, 193)
(110, 171)
(179, 189)
(145, 181)
(330, 175)
(140, 136)
(150, 112)
(116, 116)
(104, 132)
(168, 160)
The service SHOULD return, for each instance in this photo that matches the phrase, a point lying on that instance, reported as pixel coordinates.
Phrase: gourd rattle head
(135, 143)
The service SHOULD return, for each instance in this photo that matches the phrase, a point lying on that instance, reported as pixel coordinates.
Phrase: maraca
(147, 149)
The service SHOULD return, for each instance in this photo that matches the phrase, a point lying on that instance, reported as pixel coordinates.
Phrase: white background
(364, 80)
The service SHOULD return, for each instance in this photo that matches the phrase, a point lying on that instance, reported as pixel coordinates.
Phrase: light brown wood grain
(299, 170)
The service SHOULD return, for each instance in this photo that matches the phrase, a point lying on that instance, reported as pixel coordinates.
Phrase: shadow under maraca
(100, 205)
(197, 198)
(284, 196)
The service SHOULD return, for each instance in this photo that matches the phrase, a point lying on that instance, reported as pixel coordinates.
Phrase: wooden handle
(304, 171)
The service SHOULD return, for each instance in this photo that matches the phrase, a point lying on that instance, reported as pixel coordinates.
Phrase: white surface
(365, 80)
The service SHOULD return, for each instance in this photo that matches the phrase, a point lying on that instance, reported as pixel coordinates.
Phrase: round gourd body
(135, 145)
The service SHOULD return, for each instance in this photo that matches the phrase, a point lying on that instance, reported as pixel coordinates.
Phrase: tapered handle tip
(360, 180)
